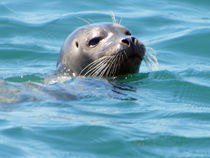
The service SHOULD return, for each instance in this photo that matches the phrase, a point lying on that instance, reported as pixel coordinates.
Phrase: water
(162, 113)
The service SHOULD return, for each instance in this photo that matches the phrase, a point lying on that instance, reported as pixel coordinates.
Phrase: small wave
(26, 78)
(176, 87)
(53, 79)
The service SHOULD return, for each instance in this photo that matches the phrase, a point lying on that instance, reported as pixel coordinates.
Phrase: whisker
(93, 71)
(113, 18)
(92, 64)
(111, 66)
(115, 65)
(151, 63)
(84, 20)
(125, 54)
(150, 59)
(147, 64)
(100, 69)
(151, 49)
(120, 60)
(153, 57)
(91, 20)
(107, 67)
(120, 20)
(112, 63)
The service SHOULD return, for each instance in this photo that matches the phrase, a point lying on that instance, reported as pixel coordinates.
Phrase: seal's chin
(130, 65)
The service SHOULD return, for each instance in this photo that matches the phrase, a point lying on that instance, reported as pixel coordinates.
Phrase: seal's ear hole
(94, 41)
(77, 44)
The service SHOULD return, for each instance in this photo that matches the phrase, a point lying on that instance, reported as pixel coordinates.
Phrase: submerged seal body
(101, 50)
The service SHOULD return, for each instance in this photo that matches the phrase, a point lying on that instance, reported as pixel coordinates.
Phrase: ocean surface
(155, 113)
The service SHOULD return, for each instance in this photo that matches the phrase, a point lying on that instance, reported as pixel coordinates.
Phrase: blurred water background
(161, 113)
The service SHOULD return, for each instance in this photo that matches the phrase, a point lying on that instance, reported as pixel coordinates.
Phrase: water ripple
(162, 113)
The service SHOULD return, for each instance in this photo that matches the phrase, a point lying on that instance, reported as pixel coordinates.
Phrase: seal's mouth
(136, 52)
(135, 56)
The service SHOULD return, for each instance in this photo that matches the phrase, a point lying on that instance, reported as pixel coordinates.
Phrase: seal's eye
(128, 33)
(93, 42)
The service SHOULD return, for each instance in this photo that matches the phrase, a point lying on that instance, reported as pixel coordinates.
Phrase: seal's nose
(129, 41)
(126, 41)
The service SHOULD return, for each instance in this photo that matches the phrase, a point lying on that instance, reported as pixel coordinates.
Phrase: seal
(101, 50)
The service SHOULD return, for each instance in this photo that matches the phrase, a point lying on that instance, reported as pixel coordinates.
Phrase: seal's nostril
(126, 41)
(133, 39)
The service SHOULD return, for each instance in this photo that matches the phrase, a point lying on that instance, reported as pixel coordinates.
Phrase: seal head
(101, 50)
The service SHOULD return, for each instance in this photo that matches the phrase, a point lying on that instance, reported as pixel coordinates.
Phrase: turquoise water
(161, 113)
